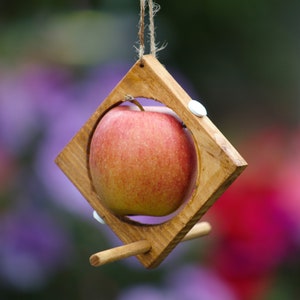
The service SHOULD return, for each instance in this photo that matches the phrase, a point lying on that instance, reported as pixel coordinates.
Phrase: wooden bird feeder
(219, 164)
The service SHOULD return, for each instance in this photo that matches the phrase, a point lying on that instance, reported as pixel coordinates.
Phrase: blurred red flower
(252, 220)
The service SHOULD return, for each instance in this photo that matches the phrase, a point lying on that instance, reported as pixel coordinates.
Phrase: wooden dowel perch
(200, 229)
(120, 252)
(142, 246)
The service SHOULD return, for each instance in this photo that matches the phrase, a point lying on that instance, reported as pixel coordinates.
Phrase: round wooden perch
(141, 247)
(219, 164)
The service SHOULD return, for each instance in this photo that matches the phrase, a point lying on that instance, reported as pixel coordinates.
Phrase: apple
(142, 162)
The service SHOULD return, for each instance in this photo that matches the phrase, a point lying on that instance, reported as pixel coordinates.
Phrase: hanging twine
(153, 9)
(142, 29)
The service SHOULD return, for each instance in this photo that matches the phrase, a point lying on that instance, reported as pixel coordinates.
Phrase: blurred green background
(59, 59)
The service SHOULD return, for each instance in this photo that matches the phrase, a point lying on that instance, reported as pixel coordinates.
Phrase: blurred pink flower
(288, 181)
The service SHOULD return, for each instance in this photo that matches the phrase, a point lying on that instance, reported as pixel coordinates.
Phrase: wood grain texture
(219, 164)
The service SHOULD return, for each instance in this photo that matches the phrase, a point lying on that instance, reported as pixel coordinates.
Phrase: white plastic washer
(98, 218)
(197, 108)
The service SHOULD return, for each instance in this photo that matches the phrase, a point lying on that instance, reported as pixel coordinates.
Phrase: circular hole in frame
(155, 105)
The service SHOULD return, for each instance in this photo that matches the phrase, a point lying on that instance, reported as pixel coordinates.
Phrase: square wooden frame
(219, 164)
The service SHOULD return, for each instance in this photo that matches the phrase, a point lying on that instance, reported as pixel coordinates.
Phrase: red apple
(142, 162)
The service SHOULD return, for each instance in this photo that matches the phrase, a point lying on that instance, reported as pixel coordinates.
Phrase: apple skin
(142, 162)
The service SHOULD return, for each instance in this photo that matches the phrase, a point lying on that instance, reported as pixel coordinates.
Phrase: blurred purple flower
(193, 283)
(64, 125)
(188, 283)
(56, 183)
(145, 292)
(99, 82)
(48, 88)
(17, 115)
(28, 97)
(32, 248)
